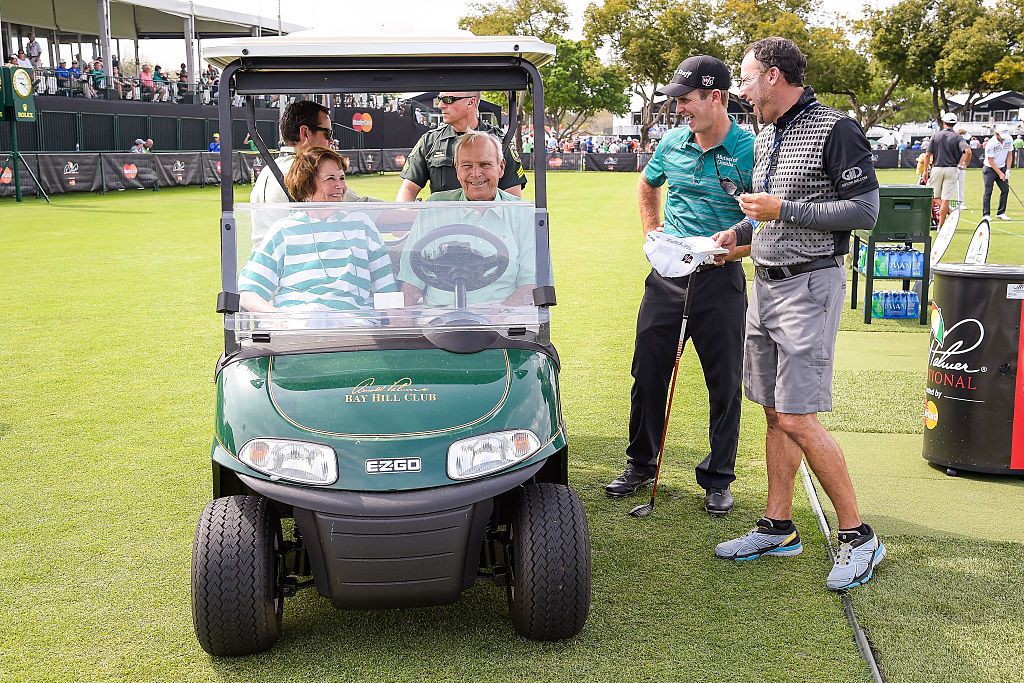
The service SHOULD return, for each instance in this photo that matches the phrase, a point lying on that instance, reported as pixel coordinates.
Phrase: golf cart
(389, 454)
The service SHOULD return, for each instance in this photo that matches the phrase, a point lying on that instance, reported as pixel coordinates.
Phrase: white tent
(137, 19)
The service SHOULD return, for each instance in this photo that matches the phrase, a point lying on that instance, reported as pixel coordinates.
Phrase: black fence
(103, 172)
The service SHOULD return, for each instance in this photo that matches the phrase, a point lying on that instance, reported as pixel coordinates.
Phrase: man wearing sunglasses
(433, 157)
(704, 164)
(304, 124)
(814, 182)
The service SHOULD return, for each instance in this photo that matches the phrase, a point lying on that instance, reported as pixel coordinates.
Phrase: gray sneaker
(759, 541)
(856, 562)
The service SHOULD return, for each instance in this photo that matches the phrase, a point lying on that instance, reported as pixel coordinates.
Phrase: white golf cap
(1003, 129)
(949, 117)
(675, 256)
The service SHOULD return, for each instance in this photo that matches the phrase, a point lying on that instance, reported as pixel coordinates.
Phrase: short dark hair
(298, 114)
(783, 54)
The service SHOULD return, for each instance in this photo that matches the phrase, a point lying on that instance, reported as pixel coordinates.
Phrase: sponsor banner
(394, 159)
(565, 162)
(352, 157)
(362, 122)
(210, 162)
(122, 171)
(61, 173)
(1017, 436)
(885, 158)
(610, 162)
(371, 160)
(642, 158)
(178, 169)
(7, 177)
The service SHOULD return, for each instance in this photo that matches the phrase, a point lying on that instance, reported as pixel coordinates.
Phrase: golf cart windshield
(324, 271)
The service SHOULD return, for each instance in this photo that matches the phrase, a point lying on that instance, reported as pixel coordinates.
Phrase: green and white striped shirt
(338, 262)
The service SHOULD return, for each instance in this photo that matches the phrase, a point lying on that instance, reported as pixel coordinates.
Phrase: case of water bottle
(893, 261)
(895, 304)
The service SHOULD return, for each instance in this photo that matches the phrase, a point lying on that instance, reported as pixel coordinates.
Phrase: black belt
(783, 272)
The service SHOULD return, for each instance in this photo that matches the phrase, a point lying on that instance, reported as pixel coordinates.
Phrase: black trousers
(715, 329)
(990, 177)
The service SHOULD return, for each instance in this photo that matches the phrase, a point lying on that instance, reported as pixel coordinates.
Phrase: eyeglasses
(329, 132)
(728, 186)
(452, 99)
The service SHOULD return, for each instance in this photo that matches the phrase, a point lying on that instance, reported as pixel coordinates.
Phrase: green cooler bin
(904, 211)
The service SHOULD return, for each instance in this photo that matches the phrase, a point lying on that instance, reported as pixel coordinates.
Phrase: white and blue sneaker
(856, 561)
(763, 539)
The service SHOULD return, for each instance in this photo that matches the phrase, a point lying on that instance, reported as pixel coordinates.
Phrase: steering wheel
(457, 267)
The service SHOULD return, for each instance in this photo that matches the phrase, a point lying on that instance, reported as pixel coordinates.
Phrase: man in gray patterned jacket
(814, 183)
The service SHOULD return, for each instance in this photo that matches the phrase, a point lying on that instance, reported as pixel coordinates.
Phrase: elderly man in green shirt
(479, 165)
(432, 159)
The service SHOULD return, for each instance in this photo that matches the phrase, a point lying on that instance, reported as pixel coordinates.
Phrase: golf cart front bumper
(391, 549)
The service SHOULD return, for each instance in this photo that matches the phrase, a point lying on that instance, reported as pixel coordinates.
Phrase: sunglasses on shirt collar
(728, 186)
(452, 99)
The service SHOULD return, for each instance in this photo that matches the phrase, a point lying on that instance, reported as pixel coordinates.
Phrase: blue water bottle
(877, 308)
(913, 305)
(882, 262)
(862, 259)
(916, 264)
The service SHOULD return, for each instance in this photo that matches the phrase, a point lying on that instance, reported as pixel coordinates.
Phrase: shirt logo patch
(852, 173)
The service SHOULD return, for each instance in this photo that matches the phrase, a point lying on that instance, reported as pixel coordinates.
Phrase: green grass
(106, 397)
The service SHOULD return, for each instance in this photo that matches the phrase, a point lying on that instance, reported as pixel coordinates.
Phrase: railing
(55, 82)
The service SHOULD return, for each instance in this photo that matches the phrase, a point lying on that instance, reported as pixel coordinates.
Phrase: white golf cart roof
(319, 44)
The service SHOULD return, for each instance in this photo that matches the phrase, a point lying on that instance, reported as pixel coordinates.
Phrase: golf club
(648, 508)
(1014, 192)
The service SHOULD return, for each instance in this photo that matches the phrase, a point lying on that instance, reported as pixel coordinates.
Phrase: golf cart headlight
(480, 455)
(300, 461)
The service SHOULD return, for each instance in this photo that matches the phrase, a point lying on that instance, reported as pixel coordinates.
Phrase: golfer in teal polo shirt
(705, 164)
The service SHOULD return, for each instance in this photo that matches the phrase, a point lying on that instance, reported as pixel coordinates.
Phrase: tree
(648, 39)
(577, 86)
(913, 41)
(545, 19)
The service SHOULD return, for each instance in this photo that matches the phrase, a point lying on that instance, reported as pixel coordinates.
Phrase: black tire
(549, 594)
(237, 598)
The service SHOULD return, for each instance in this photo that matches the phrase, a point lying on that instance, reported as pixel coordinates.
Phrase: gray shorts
(791, 340)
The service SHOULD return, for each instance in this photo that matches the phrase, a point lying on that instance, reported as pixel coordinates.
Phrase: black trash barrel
(974, 408)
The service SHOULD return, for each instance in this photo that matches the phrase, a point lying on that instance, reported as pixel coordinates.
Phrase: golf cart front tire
(237, 600)
(549, 595)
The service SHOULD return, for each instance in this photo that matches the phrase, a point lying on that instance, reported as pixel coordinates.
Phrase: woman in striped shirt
(318, 259)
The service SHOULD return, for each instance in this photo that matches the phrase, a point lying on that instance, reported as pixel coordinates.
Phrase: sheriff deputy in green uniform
(433, 157)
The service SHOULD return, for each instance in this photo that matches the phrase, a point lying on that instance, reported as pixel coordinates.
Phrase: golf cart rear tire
(549, 596)
(237, 601)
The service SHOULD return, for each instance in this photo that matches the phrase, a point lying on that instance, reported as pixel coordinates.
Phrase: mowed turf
(106, 401)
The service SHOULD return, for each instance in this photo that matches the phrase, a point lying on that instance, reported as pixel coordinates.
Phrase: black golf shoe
(628, 482)
(718, 502)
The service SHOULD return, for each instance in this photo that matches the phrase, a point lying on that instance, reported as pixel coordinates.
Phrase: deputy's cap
(699, 72)
(949, 117)
(1003, 129)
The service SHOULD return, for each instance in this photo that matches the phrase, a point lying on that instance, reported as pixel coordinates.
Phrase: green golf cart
(387, 448)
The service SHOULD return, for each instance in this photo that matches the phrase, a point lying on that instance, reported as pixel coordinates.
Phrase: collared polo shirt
(510, 219)
(696, 204)
(433, 160)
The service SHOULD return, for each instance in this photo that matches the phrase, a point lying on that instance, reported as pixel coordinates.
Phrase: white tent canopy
(135, 19)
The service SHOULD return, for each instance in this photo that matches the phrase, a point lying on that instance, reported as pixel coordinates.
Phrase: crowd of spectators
(596, 144)
(83, 78)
